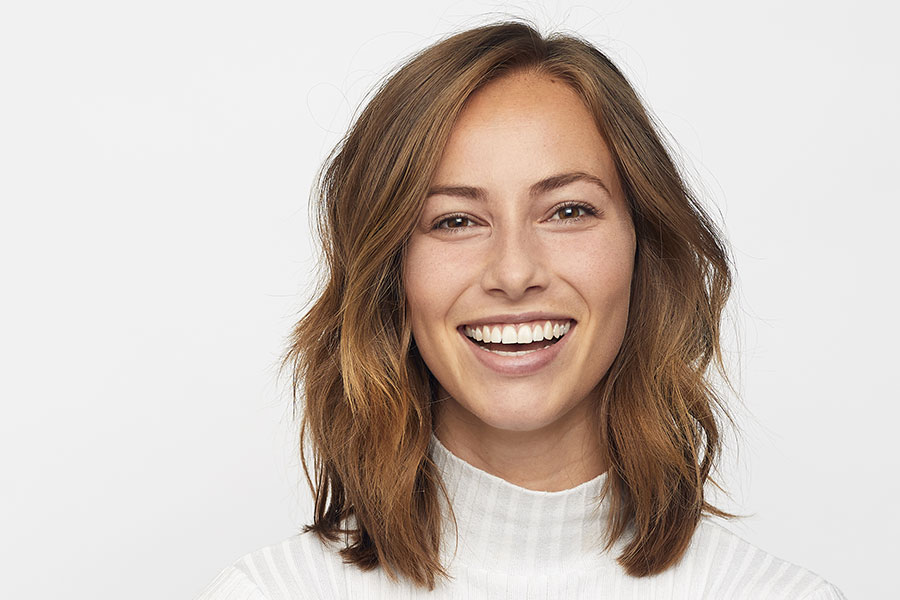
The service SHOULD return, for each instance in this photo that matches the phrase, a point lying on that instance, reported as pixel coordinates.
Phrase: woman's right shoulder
(300, 567)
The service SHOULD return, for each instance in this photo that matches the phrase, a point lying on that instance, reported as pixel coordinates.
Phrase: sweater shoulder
(231, 584)
(301, 567)
(718, 565)
(725, 565)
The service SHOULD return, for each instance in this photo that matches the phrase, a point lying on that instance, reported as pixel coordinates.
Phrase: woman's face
(525, 223)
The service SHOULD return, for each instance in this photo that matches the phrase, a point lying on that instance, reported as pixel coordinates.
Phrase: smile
(517, 348)
(514, 334)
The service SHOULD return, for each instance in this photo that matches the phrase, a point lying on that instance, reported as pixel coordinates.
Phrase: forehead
(523, 126)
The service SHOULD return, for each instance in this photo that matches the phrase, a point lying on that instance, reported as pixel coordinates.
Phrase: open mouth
(517, 341)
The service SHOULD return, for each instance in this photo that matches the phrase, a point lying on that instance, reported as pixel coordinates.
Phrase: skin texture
(514, 252)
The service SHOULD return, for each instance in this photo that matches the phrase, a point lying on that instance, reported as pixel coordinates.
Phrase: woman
(506, 372)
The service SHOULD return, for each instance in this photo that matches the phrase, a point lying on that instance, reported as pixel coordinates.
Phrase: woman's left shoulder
(724, 565)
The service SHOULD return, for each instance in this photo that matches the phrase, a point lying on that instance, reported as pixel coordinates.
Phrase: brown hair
(367, 393)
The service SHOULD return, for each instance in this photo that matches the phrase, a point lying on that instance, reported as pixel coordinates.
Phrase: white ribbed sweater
(519, 543)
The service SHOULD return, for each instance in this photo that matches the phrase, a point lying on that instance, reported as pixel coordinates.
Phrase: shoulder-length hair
(367, 394)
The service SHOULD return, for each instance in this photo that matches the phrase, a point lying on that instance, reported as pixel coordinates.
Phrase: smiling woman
(543, 236)
(506, 375)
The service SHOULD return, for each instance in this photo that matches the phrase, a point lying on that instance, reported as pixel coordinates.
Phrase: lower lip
(524, 364)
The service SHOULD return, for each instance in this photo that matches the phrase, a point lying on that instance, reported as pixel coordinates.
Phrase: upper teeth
(523, 333)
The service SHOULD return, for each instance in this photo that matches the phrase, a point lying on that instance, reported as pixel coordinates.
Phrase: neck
(553, 458)
(500, 526)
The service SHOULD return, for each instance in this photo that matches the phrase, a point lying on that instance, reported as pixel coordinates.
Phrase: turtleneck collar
(505, 527)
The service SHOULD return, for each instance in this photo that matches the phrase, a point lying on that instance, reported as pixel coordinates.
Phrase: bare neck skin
(558, 457)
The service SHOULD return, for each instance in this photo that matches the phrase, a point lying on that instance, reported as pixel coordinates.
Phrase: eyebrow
(541, 187)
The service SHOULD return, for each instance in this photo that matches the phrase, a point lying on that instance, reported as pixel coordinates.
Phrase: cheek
(599, 268)
(428, 276)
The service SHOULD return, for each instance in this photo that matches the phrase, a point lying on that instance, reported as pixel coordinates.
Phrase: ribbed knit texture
(519, 543)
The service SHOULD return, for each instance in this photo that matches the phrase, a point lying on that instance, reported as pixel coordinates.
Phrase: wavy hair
(367, 395)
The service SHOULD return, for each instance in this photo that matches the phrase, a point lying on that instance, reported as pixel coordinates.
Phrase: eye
(569, 211)
(453, 223)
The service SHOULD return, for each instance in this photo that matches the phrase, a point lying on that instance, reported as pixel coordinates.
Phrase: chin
(524, 415)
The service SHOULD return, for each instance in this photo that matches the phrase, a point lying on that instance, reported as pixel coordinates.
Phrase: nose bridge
(515, 262)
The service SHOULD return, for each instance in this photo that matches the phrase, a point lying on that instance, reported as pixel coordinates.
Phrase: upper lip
(520, 318)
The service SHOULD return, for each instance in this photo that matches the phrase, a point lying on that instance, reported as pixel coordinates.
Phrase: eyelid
(587, 208)
(437, 224)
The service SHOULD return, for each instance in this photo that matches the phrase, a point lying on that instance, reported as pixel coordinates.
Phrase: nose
(515, 263)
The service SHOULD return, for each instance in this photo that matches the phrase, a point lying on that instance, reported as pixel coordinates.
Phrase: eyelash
(587, 208)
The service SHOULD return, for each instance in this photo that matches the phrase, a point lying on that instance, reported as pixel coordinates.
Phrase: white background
(155, 164)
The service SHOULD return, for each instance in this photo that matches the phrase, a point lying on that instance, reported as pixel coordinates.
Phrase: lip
(527, 364)
(520, 318)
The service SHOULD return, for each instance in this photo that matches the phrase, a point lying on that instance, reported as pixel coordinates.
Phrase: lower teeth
(520, 353)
